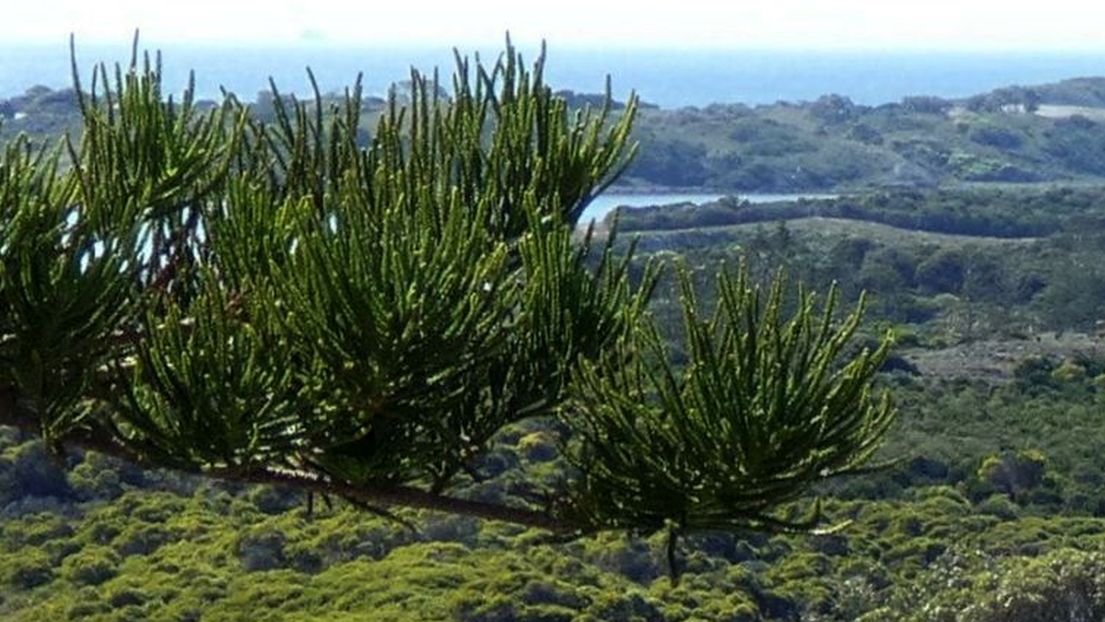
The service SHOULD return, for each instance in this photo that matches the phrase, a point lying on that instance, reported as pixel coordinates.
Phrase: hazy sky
(836, 24)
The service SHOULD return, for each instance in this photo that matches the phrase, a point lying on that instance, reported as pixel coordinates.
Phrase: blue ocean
(667, 78)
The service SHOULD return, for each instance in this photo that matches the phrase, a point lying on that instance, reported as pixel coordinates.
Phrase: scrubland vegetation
(988, 506)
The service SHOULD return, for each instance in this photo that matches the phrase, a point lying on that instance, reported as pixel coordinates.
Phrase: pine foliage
(361, 312)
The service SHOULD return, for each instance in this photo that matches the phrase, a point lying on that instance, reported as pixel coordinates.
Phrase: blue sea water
(667, 78)
(603, 204)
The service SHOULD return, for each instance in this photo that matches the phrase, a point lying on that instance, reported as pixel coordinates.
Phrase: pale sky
(1059, 25)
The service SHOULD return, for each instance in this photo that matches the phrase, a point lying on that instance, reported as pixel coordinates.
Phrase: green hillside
(1017, 135)
(1046, 133)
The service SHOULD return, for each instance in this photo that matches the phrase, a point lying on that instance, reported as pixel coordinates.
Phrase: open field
(994, 360)
(1054, 111)
(814, 228)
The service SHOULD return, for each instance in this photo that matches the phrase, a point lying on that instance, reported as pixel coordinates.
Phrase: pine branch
(219, 295)
(91, 439)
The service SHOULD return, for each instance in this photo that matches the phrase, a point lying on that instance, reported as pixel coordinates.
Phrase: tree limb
(92, 439)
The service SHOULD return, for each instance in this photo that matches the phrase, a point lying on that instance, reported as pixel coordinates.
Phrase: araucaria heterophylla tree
(301, 302)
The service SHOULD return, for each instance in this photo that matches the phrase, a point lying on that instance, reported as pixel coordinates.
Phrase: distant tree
(270, 302)
(995, 137)
(583, 100)
(942, 272)
(865, 134)
(1006, 99)
(672, 163)
(926, 104)
(833, 109)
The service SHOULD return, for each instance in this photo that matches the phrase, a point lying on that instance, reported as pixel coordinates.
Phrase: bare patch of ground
(995, 359)
(1052, 111)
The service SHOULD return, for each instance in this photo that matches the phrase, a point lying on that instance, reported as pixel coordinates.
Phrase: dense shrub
(91, 566)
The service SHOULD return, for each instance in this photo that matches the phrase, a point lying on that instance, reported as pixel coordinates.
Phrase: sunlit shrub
(91, 566)
(26, 568)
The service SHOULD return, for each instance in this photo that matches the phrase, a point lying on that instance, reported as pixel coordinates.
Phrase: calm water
(670, 79)
(606, 203)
